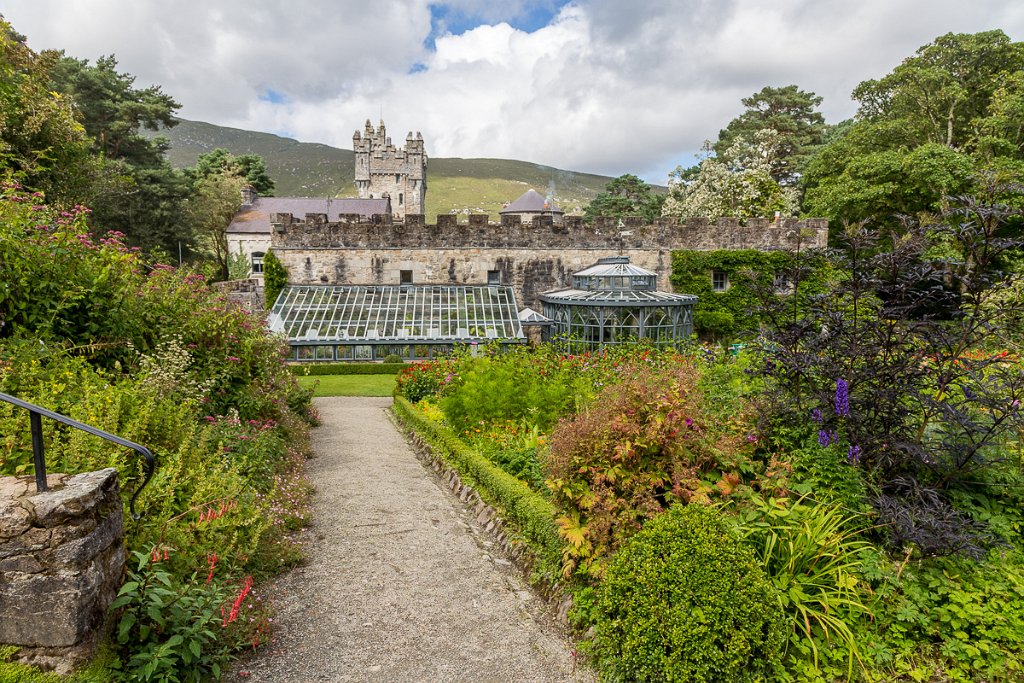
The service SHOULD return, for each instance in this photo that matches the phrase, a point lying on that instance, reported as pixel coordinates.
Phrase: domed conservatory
(615, 302)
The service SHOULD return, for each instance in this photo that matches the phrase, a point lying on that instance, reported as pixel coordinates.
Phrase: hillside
(304, 169)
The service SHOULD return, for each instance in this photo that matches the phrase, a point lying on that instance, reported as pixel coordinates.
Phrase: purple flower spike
(816, 415)
(842, 398)
(823, 438)
(853, 457)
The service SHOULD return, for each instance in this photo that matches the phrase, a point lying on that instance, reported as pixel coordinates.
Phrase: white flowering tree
(737, 184)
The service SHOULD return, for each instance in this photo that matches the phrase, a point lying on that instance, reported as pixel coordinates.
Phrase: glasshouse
(327, 323)
(613, 302)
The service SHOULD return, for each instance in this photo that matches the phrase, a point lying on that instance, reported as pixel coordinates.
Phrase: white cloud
(607, 86)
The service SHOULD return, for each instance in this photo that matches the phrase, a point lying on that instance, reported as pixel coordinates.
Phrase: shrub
(346, 368)
(684, 600)
(498, 389)
(894, 365)
(420, 380)
(150, 353)
(644, 443)
(393, 358)
(275, 278)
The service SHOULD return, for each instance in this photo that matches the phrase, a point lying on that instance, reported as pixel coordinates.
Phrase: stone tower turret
(383, 170)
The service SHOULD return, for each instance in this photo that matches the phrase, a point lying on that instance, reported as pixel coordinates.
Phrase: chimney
(248, 195)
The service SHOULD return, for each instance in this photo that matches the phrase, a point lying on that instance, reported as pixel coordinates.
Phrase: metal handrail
(38, 455)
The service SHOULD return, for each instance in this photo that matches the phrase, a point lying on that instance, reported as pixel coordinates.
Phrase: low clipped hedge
(532, 516)
(684, 600)
(347, 368)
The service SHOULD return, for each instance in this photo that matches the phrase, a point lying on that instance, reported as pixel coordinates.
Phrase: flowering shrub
(182, 630)
(89, 329)
(418, 381)
(253, 448)
(894, 365)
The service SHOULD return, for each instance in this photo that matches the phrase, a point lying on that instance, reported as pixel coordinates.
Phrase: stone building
(531, 205)
(386, 171)
(249, 231)
(318, 249)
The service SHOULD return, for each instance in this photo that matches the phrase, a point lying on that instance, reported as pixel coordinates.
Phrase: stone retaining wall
(61, 563)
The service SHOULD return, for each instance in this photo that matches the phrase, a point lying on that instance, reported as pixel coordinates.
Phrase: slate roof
(530, 201)
(255, 217)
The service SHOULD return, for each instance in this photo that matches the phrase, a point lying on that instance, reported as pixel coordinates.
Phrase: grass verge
(349, 385)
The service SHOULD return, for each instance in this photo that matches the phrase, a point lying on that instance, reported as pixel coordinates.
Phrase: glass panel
(330, 314)
(345, 352)
(363, 352)
(324, 353)
(307, 352)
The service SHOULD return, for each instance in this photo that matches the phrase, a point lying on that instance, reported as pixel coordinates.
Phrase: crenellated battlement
(530, 257)
(350, 231)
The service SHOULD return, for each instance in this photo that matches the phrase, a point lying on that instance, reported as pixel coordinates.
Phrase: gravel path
(401, 583)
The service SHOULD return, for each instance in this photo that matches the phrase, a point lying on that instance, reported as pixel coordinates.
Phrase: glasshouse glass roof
(368, 314)
(614, 265)
(615, 298)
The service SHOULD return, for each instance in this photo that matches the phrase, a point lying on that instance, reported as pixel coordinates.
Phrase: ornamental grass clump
(684, 600)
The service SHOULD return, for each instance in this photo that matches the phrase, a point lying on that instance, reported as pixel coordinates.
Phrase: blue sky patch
(535, 15)
(274, 97)
(417, 68)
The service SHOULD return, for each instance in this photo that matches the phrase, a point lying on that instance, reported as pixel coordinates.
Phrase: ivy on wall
(725, 282)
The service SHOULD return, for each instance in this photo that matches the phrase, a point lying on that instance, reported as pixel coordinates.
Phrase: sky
(599, 86)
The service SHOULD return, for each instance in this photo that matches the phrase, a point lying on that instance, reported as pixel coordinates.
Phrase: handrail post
(38, 456)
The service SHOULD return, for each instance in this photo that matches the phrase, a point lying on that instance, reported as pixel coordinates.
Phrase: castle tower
(385, 170)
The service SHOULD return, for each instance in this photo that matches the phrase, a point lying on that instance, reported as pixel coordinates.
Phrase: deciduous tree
(42, 146)
(737, 183)
(931, 128)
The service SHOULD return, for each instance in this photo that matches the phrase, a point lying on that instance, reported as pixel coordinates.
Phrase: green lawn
(349, 385)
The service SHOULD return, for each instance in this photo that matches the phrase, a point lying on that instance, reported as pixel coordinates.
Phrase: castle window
(719, 281)
(401, 199)
(257, 262)
(405, 277)
(398, 178)
(493, 278)
(782, 283)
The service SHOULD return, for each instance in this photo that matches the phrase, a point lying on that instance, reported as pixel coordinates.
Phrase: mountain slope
(454, 185)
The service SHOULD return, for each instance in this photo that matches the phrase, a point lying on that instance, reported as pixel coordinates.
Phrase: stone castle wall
(531, 258)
